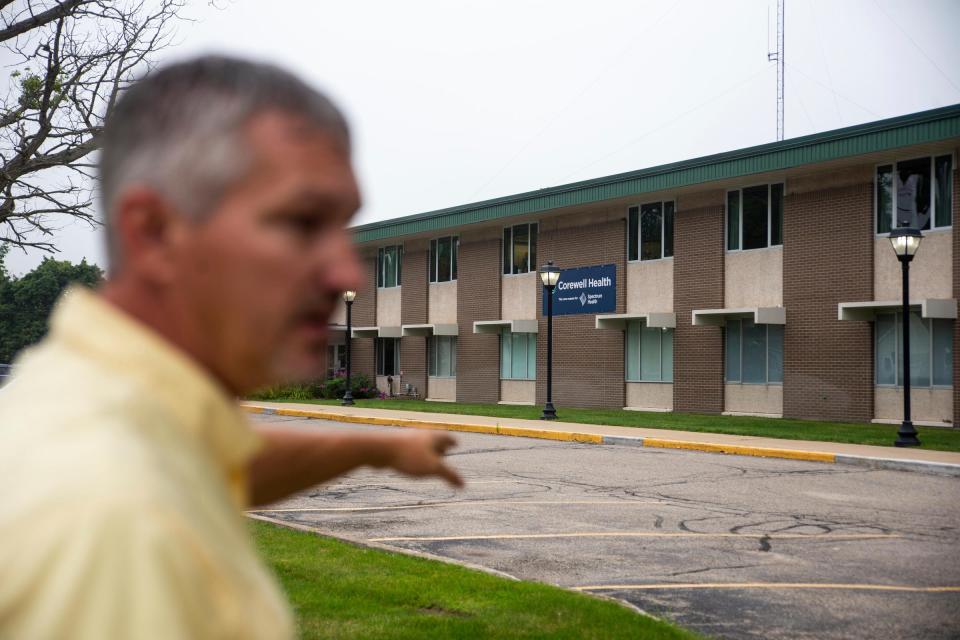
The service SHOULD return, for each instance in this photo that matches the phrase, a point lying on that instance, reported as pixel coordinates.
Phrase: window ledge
(751, 413)
(916, 423)
(649, 409)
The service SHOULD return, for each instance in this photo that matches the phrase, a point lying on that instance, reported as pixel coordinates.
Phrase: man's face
(265, 270)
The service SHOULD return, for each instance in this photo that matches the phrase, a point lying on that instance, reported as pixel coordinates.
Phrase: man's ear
(149, 233)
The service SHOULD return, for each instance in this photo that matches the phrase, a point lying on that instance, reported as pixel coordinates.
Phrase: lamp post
(905, 243)
(549, 274)
(348, 297)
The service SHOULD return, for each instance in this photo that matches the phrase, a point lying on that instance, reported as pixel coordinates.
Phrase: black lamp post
(348, 297)
(905, 243)
(549, 274)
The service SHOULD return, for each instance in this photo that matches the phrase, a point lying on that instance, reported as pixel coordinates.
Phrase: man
(124, 459)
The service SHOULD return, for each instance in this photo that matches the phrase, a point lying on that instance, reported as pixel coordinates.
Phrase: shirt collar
(199, 404)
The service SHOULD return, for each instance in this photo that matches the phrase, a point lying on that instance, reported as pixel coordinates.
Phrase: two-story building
(757, 281)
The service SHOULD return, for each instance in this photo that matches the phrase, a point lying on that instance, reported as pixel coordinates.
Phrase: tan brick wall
(587, 363)
(413, 310)
(478, 298)
(956, 295)
(827, 254)
(698, 284)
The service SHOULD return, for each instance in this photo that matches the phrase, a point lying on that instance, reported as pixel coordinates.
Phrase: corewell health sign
(585, 290)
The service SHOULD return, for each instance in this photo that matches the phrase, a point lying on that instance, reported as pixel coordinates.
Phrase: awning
(929, 308)
(496, 326)
(376, 332)
(430, 329)
(620, 320)
(759, 315)
(337, 327)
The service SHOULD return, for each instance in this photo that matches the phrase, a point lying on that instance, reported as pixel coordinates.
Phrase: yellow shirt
(122, 479)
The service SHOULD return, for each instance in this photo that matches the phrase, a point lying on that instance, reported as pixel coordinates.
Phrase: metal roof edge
(913, 129)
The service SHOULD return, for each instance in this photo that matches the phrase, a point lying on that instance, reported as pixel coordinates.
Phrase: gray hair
(179, 130)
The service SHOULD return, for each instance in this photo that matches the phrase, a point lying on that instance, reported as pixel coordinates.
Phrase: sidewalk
(936, 462)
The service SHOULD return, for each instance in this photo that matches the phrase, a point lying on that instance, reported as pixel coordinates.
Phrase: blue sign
(585, 290)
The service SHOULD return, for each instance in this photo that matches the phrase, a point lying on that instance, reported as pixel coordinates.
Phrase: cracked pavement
(730, 546)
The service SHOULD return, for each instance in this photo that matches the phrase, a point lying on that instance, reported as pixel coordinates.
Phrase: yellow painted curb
(740, 450)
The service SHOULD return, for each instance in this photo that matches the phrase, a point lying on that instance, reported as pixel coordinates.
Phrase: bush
(360, 387)
(287, 392)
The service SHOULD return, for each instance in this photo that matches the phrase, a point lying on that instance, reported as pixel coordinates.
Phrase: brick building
(758, 281)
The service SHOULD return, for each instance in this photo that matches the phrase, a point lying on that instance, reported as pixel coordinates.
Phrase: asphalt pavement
(730, 546)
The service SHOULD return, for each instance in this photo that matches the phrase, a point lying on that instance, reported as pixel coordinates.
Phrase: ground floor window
(649, 353)
(931, 351)
(518, 356)
(442, 356)
(336, 359)
(388, 356)
(753, 352)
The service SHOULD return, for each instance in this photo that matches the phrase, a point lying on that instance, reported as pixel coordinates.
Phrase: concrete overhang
(759, 315)
(377, 332)
(337, 327)
(496, 326)
(945, 308)
(620, 320)
(430, 329)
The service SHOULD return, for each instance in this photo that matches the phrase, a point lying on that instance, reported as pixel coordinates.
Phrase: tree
(26, 302)
(73, 58)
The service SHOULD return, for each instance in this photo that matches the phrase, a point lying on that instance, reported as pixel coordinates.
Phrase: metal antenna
(778, 57)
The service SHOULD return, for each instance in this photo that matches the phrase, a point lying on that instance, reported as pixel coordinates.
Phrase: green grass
(340, 590)
(853, 433)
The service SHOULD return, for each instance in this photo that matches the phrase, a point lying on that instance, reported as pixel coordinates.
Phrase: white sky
(455, 101)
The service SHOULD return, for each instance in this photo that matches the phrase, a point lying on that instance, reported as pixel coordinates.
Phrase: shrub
(360, 387)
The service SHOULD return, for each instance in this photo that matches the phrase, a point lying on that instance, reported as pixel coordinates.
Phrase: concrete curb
(917, 466)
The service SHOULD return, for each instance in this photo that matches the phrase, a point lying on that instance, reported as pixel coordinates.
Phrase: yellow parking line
(461, 503)
(766, 585)
(636, 534)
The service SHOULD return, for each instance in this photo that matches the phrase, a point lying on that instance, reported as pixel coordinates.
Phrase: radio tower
(778, 56)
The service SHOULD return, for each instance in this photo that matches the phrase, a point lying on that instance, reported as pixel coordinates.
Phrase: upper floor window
(388, 265)
(443, 258)
(755, 217)
(931, 351)
(753, 352)
(520, 248)
(650, 231)
(918, 194)
(649, 353)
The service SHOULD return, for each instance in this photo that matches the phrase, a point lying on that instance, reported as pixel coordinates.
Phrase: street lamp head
(348, 296)
(549, 274)
(905, 241)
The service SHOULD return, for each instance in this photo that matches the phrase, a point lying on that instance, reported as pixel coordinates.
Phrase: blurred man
(125, 462)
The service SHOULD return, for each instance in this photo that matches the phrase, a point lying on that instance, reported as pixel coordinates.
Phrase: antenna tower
(778, 57)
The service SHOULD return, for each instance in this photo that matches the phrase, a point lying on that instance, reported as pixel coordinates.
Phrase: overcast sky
(453, 101)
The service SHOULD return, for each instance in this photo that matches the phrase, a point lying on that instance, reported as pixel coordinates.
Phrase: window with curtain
(753, 353)
(650, 231)
(443, 259)
(518, 356)
(649, 353)
(442, 356)
(388, 266)
(931, 351)
(520, 248)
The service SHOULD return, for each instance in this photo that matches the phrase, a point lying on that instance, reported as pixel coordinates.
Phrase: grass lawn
(339, 590)
(854, 433)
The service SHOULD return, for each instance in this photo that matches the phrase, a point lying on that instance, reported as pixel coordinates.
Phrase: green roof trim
(915, 128)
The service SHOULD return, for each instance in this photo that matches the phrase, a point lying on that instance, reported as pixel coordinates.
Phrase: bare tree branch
(57, 12)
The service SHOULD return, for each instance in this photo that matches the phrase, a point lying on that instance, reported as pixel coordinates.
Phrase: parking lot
(730, 546)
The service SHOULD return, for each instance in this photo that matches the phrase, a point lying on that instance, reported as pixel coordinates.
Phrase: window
(443, 259)
(518, 356)
(650, 231)
(649, 353)
(931, 351)
(336, 359)
(388, 356)
(388, 266)
(442, 356)
(755, 217)
(520, 248)
(753, 352)
(918, 194)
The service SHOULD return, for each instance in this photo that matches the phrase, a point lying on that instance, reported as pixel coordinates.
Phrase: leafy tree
(26, 302)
